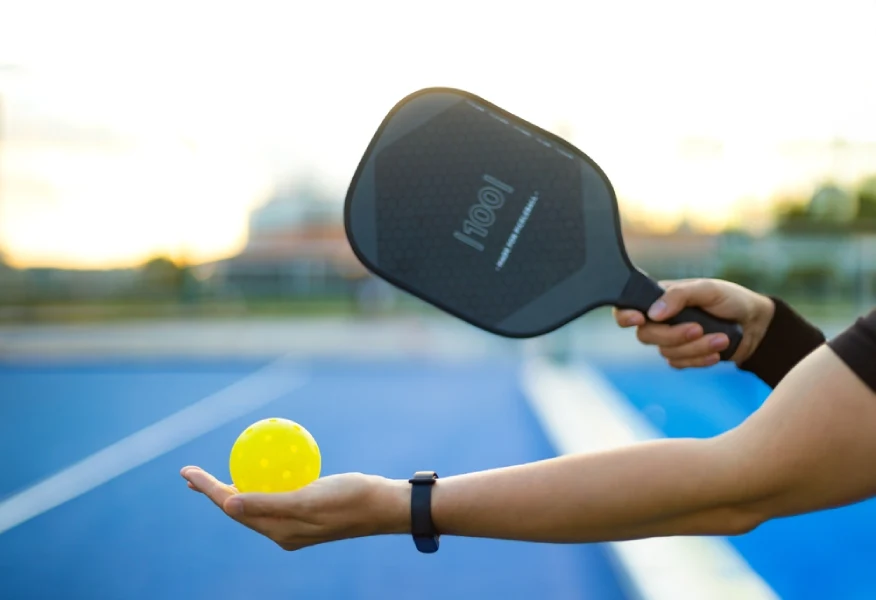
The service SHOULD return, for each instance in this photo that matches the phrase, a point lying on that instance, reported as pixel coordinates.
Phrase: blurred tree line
(163, 279)
(160, 286)
(828, 224)
(832, 209)
(160, 279)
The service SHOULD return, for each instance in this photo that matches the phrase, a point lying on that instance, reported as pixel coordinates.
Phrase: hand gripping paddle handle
(641, 292)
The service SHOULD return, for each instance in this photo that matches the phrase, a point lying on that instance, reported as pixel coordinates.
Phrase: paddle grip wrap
(641, 292)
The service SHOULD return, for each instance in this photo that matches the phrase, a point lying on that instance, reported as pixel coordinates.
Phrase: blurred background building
(295, 248)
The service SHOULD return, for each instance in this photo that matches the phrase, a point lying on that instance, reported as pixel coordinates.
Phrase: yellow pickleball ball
(274, 455)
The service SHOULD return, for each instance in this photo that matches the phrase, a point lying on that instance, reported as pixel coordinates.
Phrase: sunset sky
(132, 129)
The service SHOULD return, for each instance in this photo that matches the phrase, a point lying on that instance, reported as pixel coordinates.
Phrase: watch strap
(422, 527)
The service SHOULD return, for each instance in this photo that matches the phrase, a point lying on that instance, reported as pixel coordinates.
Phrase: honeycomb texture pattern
(426, 183)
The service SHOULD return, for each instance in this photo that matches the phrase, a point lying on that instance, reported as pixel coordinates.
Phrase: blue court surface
(144, 535)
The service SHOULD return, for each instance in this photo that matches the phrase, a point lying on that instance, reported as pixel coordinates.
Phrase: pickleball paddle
(494, 220)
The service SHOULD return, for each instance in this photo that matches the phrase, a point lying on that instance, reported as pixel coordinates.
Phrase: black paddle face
(486, 216)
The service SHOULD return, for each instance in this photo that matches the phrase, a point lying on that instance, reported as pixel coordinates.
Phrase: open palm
(331, 508)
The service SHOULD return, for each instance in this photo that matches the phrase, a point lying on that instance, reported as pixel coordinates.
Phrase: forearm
(656, 488)
(810, 447)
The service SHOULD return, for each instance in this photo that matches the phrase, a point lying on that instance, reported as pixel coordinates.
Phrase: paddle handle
(641, 292)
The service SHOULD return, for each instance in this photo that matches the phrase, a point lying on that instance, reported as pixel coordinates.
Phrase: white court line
(581, 412)
(252, 392)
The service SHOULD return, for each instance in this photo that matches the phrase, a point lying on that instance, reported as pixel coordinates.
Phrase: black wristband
(789, 338)
(422, 527)
(856, 346)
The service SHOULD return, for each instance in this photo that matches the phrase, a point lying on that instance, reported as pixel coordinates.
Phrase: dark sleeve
(856, 346)
(789, 338)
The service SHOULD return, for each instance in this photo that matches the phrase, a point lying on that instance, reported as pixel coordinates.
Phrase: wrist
(393, 506)
(756, 327)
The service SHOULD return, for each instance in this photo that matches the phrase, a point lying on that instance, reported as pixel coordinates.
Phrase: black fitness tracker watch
(422, 528)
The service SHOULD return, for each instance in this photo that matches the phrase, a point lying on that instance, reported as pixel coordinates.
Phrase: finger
(290, 547)
(704, 346)
(698, 292)
(655, 334)
(208, 485)
(189, 483)
(182, 472)
(628, 318)
(699, 362)
(668, 283)
(262, 505)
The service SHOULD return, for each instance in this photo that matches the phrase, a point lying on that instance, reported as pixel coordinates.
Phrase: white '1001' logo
(482, 214)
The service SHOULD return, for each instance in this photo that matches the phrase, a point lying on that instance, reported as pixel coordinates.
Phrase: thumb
(678, 295)
(259, 505)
